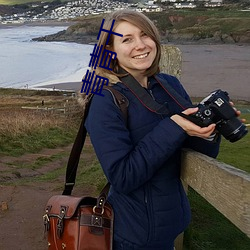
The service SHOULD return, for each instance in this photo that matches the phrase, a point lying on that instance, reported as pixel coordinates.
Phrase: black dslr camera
(216, 109)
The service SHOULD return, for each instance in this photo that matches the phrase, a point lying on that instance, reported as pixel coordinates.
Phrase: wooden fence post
(171, 59)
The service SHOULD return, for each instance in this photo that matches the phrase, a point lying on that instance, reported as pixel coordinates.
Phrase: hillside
(173, 26)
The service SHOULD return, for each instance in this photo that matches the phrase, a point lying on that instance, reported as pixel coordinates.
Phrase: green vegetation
(32, 142)
(210, 230)
(237, 154)
(202, 24)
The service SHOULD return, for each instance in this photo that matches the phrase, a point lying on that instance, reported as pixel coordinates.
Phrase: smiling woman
(141, 155)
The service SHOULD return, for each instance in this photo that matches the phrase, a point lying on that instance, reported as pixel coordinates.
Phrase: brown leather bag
(81, 223)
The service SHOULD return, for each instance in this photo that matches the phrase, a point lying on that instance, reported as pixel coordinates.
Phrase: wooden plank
(178, 244)
(223, 186)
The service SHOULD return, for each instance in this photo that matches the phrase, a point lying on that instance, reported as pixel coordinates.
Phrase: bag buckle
(95, 212)
(46, 221)
(96, 221)
(59, 224)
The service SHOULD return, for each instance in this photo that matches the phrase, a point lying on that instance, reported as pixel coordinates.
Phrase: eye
(144, 34)
(127, 40)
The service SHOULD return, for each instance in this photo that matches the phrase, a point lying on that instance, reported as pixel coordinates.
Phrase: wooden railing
(223, 186)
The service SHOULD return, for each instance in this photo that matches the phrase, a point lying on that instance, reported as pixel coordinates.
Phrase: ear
(109, 47)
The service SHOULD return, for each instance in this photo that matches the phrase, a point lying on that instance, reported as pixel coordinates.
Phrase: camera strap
(145, 98)
(180, 100)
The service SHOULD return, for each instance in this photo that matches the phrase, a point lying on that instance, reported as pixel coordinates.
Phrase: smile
(141, 56)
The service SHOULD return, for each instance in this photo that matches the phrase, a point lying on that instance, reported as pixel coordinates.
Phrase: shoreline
(38, 23)
(61, 86)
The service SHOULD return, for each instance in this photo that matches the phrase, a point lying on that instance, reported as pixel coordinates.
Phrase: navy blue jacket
(141, 160)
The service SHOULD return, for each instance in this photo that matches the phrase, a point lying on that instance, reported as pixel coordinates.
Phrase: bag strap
(180, 101)
(120, 100)
(75, 153)
(72, 165)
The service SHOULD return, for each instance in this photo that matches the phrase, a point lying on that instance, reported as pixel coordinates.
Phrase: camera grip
(192, 118)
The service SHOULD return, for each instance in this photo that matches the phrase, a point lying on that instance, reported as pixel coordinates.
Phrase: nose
(139, 44)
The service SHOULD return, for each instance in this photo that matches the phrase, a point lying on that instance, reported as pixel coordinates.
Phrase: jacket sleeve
(209, 148)
(125, 165)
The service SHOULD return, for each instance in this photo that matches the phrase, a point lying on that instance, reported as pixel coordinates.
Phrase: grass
(33, 143)
(210, 230)
(23, 131)
(237, 154)
(91, 172)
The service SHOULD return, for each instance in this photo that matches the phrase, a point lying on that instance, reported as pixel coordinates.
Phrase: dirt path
(21, 224)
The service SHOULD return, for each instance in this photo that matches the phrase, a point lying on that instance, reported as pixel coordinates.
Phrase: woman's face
(135, 50)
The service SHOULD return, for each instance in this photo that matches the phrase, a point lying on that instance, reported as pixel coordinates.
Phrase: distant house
(184, 5)
(214, 3)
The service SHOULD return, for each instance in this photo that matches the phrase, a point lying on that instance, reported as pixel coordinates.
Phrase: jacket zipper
(148, 204)
(151, 93)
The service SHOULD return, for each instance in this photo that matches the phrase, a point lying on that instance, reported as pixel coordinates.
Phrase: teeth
(141, 56)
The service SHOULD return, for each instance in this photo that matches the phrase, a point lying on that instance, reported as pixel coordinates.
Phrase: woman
(141, 156)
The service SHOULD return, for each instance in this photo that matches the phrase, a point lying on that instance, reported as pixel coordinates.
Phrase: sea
(26, 64)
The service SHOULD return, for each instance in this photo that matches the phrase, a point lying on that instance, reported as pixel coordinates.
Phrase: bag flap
(68, 203)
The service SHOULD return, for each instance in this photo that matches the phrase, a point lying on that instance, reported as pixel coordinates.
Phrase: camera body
(216, 108)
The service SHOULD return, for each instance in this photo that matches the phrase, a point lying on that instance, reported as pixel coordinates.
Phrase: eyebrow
(131, 34)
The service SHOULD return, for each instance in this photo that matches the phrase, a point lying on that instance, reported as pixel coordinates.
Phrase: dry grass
(18, 122)
(15, 121)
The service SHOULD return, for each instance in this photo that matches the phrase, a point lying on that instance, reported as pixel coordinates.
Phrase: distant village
(44, 12)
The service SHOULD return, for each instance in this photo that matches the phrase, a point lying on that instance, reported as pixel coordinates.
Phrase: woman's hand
(238, 113)
(190, 128)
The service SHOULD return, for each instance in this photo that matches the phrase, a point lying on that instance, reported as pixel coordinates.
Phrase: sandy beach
(209, 67)
(206, 68)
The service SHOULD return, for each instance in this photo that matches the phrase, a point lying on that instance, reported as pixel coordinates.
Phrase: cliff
(173, 28)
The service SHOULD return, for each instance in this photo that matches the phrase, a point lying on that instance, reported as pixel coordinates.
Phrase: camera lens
(233, 130)
(238, 133)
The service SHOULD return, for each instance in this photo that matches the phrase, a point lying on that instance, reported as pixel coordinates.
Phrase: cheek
(154, 49)
(122, 53)
(153, 45)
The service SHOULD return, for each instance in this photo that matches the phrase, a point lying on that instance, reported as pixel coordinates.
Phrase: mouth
(142, 56)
